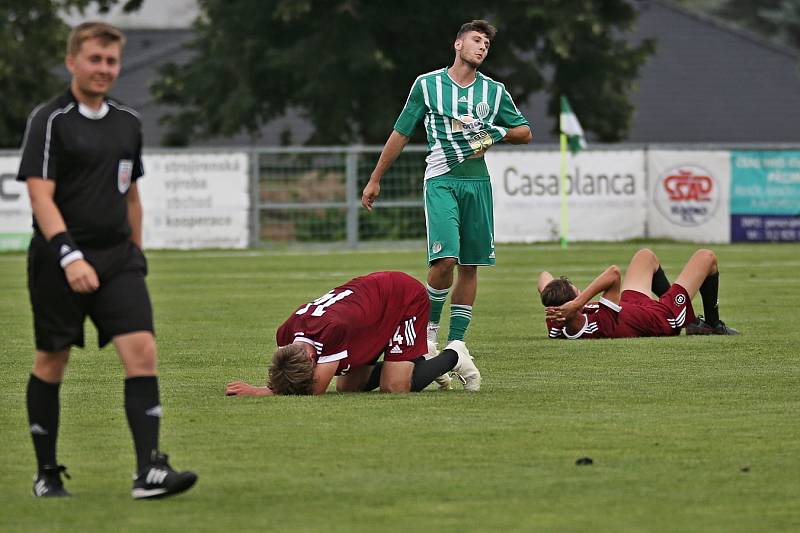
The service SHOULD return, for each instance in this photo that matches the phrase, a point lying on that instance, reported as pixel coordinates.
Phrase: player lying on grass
(626, 309)
(345, 331)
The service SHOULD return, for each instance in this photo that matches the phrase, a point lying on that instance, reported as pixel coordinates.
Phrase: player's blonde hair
(93, 30)
(291, 371)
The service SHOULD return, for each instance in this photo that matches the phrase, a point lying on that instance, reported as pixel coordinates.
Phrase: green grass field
(686, 433)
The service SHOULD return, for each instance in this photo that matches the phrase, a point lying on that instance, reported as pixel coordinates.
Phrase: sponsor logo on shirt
(680, 299)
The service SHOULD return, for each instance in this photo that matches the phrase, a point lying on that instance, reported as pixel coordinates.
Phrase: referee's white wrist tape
(65, 249)
(70, 258)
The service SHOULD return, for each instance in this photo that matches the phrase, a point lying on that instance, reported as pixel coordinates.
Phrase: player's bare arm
(607, 283)
(391, 150)
(80, 275)
(240, 388)
(323, 374)
(518, 135)
(544, 278)
(135, 214)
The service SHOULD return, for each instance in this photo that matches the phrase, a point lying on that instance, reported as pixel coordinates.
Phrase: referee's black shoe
(48, 484)
(701, 327)
(159, 480)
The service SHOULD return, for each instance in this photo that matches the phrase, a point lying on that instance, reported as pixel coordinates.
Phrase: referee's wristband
(65, 249)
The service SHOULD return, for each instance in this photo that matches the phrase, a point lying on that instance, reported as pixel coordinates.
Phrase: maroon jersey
(637, 315)
(380, 313)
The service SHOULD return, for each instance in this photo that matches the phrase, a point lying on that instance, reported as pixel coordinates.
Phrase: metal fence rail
(314, 195)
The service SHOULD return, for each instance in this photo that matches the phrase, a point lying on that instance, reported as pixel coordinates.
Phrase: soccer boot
(465, 368)
(444, 381)
(48, 484)
(701, 327)
(159, 480)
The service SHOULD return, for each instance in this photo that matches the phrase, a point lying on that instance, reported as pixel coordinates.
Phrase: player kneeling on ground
(634, 313)
(345, 331)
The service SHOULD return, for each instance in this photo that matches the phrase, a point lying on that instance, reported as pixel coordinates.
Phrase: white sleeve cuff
(611, 305)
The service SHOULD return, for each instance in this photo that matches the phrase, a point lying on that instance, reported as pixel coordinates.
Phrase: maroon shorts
(655, 318)
(409, 340)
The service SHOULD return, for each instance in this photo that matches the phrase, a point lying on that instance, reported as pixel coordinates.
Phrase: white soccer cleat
(444, 381)
(465, 368)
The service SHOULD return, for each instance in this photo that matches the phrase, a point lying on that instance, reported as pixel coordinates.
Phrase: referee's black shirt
(93, 158)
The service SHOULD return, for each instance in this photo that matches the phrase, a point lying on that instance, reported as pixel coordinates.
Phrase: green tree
(33, 38)
(347, 65)
(777, 20)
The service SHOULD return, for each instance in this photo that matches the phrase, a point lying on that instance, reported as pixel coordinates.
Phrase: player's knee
(467, 271)
(50, 366)
(140, 356)
(445, 264)
(646, 254)
(396, 386)
(709, 257)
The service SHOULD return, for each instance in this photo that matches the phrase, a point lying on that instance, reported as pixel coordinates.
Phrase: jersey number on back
(323, 302)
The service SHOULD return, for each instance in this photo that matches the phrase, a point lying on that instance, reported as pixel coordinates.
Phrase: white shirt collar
(90, 113)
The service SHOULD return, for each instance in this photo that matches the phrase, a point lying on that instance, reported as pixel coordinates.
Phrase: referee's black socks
(43, 411)
(143, 408)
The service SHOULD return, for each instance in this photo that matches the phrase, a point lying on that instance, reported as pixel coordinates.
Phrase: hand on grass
(240, 388)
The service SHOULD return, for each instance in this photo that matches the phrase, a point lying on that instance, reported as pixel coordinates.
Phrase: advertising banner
(605, 189)
(765, 196)
(15, 208)
(195, 200)
(689, 195)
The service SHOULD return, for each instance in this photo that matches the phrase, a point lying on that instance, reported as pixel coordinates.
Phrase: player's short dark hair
(481, 26)
(558, 292)
(291, 371)
(93, 30)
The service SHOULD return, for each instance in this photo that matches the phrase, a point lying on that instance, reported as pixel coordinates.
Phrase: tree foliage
(775, 19)
(347, 65)
(33, 38)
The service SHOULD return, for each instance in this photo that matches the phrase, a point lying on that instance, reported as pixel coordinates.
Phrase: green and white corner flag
(571, 127)
(572, 140)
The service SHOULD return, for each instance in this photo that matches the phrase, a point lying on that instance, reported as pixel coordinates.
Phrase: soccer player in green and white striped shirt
(464, 114)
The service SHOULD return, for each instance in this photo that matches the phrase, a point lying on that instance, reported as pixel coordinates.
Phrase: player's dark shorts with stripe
(120, 305)
(645, 317)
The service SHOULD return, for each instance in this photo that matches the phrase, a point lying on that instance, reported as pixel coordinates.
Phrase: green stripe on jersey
(444, 107)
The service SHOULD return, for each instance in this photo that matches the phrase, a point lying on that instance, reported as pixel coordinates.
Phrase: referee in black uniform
(81, 159)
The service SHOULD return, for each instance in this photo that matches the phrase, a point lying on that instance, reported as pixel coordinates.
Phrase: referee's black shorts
(120, 305)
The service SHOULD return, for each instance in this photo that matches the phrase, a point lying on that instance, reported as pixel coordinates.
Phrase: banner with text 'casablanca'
(606, 195)
(690, 195)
